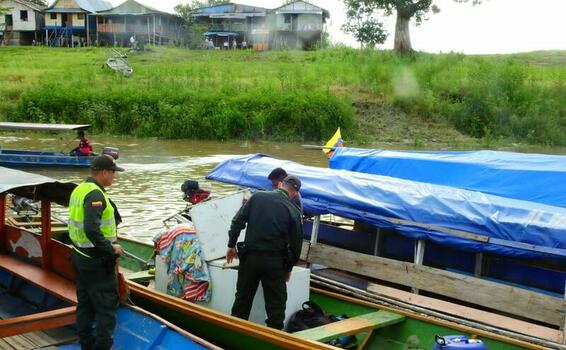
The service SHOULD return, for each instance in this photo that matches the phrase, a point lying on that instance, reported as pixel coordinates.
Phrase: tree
(193, 30)
(406, 10)
(363, 25)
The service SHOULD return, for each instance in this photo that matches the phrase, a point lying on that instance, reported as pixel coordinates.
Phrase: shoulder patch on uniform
(96, 204)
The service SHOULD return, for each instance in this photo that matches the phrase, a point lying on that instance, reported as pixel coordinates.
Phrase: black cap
(293, 181)
(105, 162)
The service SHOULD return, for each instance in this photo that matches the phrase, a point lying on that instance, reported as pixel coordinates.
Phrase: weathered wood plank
(350, 326)
(493, 295)
(468, 313)
(38, 321)
(47, 280)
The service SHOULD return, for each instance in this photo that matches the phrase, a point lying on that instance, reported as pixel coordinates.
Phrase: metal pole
(315, 228)
(2, 223)
(419, 256)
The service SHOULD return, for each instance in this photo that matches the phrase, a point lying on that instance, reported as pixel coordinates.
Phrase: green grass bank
(293, 96)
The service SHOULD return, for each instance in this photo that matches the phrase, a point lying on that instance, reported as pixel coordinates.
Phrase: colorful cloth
(187, 271)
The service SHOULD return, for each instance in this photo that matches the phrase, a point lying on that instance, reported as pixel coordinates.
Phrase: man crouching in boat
(272, 246)
(92, 229)
(84, 148)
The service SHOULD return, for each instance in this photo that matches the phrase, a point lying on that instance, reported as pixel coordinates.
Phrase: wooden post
(87, 31)
(419, 256)
(377, 243)
(479, 265)
(46, 37)
(45, 234)
(153, 29)
(315, 228)
(2, 223)
(148, 31)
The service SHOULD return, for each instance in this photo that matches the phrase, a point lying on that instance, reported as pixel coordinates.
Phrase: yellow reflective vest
(77, 215)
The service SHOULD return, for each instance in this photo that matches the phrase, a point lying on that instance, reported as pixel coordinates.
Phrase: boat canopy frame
(43, 126)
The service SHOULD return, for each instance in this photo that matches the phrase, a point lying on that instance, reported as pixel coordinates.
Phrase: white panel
(224, 291)
(212, 221)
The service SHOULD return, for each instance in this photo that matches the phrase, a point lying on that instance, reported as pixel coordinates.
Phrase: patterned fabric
(187, 271)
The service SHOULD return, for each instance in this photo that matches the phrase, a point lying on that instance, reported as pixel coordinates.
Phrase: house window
(24, 15)
(287, 18)
(53, 16)
(80, 16)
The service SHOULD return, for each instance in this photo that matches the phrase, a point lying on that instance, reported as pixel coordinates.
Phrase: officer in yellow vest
(92, 229)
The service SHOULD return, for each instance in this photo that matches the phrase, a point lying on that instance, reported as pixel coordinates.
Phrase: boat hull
(14, 158)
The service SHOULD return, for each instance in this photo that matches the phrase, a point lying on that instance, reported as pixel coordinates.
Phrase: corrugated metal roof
(90, 6)
(43, 126)
(36, 187)
(132, 7)
(229, 8)
(30, 4)
(301, 7)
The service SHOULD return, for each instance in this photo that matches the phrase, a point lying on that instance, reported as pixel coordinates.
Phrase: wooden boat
(24, 158)
(432, 240)
(119, 65)
(38, 297)
(375, 324)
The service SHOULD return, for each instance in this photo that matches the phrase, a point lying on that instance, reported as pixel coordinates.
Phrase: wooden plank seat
(48, 281)
(360, 324)
(53, 283)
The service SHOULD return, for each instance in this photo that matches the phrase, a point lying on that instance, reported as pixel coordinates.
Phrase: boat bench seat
(350, 326)
(47, 280)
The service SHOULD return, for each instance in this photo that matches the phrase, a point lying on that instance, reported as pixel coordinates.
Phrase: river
(150, 188)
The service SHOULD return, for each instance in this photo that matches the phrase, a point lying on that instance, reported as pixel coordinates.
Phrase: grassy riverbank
(294, 96)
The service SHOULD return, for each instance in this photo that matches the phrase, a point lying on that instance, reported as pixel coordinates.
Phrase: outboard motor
(111, 151)
(192, 193)
(458, 342)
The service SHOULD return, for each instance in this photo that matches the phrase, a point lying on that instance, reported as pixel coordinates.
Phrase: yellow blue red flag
(335, 141)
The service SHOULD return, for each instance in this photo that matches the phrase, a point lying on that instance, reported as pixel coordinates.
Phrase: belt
(265, 252)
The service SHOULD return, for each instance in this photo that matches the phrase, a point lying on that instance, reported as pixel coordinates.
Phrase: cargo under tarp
(415, 209)
(538, 178)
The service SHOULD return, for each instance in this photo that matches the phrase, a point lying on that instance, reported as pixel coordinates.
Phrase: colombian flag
(335, 141)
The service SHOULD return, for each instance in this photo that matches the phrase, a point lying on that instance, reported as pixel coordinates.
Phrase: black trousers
(270, 271)
(98, 302)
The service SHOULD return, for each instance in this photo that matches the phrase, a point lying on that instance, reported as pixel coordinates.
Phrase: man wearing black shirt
(273, 242)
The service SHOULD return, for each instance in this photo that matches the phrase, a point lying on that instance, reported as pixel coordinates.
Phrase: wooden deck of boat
(39, 339)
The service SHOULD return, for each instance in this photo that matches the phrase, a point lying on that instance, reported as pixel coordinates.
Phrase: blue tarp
(533, 177)
(374, 199)
(221, 33)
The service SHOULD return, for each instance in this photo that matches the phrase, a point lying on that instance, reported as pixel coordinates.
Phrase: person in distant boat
(276, 176)
(274, 235)
(84, 148)
(93, 218)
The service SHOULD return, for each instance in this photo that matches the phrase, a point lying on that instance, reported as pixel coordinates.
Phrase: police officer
(276, 177)
(92, 229)
(273, 241)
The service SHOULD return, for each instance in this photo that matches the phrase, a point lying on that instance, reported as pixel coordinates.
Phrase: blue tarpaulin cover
(538, 178)
(510, 224)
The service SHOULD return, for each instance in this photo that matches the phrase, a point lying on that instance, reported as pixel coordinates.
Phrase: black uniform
(97, 289)
(273, 241)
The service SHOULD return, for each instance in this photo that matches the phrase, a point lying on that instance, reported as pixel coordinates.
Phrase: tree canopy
(184, 10)
(362, 17)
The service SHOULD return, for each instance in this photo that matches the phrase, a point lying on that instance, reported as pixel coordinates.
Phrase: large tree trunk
(402, 36)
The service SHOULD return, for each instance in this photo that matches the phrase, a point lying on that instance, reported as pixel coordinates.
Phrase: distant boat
(24, 158)
(120, 64)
